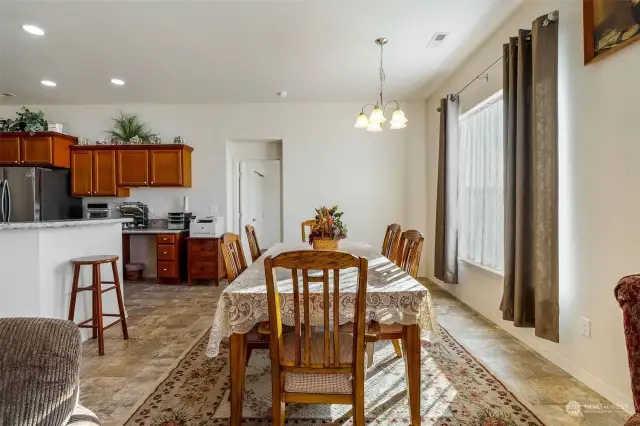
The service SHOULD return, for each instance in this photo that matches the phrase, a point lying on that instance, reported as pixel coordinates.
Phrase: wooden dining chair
(236, 263)
(254, 247)
(233, 255)
(324, 367)
(306, 223)
(409, 252)
(408, 259)
(391, 241)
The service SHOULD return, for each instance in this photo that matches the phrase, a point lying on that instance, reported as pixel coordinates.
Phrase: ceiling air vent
(437, 39)
(8, 95)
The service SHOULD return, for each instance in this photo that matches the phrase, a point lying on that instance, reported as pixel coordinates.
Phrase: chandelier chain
(382, 74)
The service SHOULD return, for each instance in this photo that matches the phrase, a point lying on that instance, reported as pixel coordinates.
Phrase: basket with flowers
(328, 229)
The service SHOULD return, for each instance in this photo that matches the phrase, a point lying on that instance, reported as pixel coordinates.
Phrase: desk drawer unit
(205, 259)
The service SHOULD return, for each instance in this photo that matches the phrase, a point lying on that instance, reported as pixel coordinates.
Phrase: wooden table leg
(411, 351)
(238, 361)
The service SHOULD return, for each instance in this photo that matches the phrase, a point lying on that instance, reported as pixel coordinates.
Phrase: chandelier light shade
(377, 117)
(362, 122)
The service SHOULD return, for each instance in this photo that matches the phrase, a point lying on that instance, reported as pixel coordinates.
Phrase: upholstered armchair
(628, 295)
(39, 373)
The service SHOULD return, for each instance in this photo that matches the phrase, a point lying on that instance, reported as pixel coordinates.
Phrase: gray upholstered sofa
(39, 373)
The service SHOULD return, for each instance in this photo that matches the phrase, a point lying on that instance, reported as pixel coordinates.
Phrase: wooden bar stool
(96, 300)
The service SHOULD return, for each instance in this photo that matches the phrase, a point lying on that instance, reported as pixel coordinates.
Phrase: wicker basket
(325, 244)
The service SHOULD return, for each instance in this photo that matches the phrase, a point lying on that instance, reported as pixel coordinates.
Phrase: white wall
(599, 227)
(325, 159)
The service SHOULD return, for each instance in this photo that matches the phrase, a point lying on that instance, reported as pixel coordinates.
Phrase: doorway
(260, 194)
(254, 190)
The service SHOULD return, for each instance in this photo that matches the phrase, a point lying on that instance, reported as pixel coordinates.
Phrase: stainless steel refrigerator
(33, 194)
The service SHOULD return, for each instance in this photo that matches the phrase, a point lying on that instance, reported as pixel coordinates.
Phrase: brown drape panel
(530, 297)
(446, 236)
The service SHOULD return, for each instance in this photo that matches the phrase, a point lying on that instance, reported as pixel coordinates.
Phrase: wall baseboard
(579, 373)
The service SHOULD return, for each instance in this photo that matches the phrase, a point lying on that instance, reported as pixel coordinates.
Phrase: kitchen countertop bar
(61, 223)
(36, 273)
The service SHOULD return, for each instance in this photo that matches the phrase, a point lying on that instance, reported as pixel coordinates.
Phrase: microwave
(97, 211)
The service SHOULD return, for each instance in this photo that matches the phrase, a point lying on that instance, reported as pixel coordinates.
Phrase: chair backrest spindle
(233, 255)
(409, 251)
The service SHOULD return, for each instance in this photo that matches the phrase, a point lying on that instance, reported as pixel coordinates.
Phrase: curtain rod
(551, 17)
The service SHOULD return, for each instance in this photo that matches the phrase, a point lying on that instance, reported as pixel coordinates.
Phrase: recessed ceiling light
(33, 30)
(117, 81)
(48, 83)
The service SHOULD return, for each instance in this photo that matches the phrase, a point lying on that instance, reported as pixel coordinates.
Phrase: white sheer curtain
(480, 185)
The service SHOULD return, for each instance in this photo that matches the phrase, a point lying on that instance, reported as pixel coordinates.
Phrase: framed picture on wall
(609, 25)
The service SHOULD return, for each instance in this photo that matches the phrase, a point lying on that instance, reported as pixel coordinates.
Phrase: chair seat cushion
(318, 383)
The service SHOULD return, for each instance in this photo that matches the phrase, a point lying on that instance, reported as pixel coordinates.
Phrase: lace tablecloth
(393, 296)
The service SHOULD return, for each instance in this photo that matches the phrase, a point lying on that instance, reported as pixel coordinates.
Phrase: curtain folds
(446, 236)
(530, 297)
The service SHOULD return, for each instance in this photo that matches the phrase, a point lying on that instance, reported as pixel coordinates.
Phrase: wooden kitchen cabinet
(39, 149)
(104, 172)
(205, 260)
(94, 171)
(10, 150)
(81, 173)
(133, 167)
(170, 166)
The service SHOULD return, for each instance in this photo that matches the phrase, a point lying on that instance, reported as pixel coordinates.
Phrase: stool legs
(98, 292)
(116, 281)
(97, 320)
(74, 291)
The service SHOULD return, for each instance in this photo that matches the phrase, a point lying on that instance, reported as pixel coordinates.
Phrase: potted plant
(328, 229)
(26, 121)
(128, 127)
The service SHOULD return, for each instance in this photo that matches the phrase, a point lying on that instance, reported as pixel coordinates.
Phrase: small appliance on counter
(139, 212)
(206, 226)
(179, 221)
(97, 211)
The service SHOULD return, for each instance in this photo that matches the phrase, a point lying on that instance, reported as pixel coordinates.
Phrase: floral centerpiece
(328, 229)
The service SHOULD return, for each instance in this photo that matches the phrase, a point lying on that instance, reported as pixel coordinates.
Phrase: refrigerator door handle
(3, 185)
(8, 200)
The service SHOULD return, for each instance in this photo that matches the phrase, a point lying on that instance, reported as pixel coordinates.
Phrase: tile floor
(165, 320)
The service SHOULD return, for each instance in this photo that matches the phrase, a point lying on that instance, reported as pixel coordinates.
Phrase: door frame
(233, 222)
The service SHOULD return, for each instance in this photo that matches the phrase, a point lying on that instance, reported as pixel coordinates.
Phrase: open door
(260, 202)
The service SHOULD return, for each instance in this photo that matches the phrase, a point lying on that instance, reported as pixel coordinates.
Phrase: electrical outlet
(586, 327)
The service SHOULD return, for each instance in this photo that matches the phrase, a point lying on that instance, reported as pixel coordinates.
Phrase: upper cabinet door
(104, 173)
(37, 150)
(81, 173)
(133, 167)
(166, 167)
(9, 150)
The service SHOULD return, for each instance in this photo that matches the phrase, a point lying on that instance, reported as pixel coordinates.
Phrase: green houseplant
(127, 127)
(26, 121)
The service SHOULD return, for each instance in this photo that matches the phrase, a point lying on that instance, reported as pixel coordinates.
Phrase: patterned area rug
(456, 390)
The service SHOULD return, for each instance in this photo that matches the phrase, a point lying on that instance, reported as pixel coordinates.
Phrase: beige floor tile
(164, 321)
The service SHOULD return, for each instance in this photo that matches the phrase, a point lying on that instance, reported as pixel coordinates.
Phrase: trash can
(133, 271)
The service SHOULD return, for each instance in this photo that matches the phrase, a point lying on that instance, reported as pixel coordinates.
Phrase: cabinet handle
(165, 269)
(164, 252)
(16, 161)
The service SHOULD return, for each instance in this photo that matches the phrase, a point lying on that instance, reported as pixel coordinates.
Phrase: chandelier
(374, 122)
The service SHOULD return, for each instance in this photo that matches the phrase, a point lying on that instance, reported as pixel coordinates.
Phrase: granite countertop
(152, 231)
(62, 223)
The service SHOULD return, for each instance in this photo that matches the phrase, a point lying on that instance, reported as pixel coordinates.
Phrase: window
(480, 185)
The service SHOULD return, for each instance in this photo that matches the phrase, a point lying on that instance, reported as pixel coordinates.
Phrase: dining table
(393, 297)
